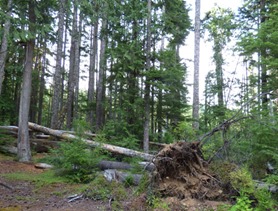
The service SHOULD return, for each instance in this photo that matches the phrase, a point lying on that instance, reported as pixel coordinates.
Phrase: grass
(40, 180)
(4, 157)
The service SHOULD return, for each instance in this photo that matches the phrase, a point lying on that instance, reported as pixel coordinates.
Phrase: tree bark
(23, 145)
(195, 112)
(147, 83)
(4, 44)
(100, 86)
(105, 164)
(108, 147)
(42, 87)
(57, 91)
(92, 71)
(72, 71)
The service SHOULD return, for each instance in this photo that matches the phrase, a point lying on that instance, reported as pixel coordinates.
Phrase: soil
(182, 180)
(18, 195)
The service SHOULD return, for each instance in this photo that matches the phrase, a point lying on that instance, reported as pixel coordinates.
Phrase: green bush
(242, 203)
(265, 201)
(157, 203)
(242, 181)
(101, 189)
(74, 160)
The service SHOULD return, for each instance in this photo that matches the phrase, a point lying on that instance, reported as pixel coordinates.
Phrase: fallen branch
(6, 186)
(222, 127)
(108, 147)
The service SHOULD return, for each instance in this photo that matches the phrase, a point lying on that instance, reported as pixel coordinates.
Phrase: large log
(115, 175)
(108, 147)
(14, 130)
(105, 164)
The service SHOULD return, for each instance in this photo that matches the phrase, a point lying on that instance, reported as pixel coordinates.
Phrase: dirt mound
(183, 173)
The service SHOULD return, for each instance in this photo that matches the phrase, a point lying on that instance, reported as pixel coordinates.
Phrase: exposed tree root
(182, 172)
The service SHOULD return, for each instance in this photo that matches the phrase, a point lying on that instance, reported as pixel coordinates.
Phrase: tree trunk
(77, 67)
(4, 44)
(263, 53)
(147, 84)
(23, 145)
(72, 71)
(36, 83)
(92, 71)
(42, 87)
(108, 147)
(195, 112)
(57, 92)
(219, 77)
(100, 85)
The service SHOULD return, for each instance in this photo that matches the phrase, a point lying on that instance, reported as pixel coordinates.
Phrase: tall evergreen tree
(92, 67)
(195, 110)
(23, 145)
(101, 78)
(147, 83)
(220, 26)
(4, 43)
(57, 86)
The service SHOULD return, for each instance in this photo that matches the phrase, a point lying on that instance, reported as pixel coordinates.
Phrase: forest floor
(20, 193)
(30, 195)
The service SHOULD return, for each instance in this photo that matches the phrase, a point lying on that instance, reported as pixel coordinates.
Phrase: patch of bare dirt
(23, 195)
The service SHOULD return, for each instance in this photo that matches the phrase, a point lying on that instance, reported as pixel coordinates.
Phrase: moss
(223, 170)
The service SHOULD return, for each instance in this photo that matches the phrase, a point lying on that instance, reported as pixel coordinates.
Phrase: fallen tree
(105, 164)
(108, 147)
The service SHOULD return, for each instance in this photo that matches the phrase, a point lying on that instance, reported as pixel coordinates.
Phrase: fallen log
(114, 175)
(269, 187)
(157, 144)
(105, 164)
(42, 136)
(108, 147)
(8, 149)
(9, 128)
(14, 130)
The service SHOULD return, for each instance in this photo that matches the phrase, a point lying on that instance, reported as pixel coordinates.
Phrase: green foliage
(6, 139)
(265, 201)
(143, 185)
(176, 20)
(242, 203)
(75, 161)
(184, 131)
(259, 139)
(117, 133)
(129, 180)
(157, 203)
(272, 179)
(223, 169)
(242, 181)
(101, 189)
(40, 180)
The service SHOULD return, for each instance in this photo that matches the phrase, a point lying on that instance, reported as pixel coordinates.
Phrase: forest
(111, 76)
